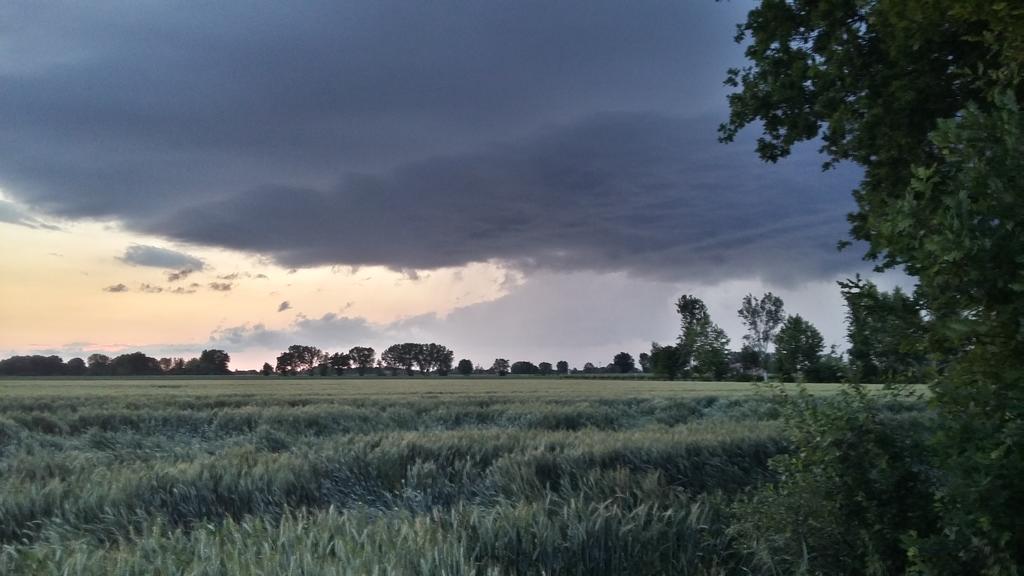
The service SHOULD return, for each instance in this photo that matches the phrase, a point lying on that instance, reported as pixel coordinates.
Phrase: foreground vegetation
(304, 476)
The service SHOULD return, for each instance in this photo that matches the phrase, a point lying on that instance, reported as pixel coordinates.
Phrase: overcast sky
(535, 180)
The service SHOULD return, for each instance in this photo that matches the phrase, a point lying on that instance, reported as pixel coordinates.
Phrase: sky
(528, 180)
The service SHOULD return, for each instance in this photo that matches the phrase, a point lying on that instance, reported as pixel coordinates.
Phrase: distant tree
(444, 358)
(762, 317)
(166, 365)
(589, 368)
(887, 333)
(562, 367)
(134, 364)
(286, 364)
(99, 365)
(829, 368)
(645, 361)
(524, 367)
(321, 369)
(76, 367)
(305, 358)
(363, 358)
(545, 368)
(798, 346)
(402, 356)
(267, 369)
(35, 365)
(465, 367)
(703, 346)
(500, 366)
(434, 356)
(339, 362)
(665, 361)
(624, 363)
(711, 354)
(214, 362)
(748, 358)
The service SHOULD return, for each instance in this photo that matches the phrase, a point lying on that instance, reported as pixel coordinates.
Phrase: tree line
(884, 330)
(210, 362)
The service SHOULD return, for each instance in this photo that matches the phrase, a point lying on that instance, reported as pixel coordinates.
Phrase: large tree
(465, 367)
(214, 362)
(703, 348)
(500, 366)
(562, 367)
(402, 356)
(624, 362)
(887, 333)
(762, 317)
(339, 362)
(363, 358)
(798, 347)
(923, 95)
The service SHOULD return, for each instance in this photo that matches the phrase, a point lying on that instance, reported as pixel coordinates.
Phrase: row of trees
(210, 362)
(885, 331)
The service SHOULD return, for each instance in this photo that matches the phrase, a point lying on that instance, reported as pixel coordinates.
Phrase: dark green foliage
(845, 501)
(562, 367)
(523, 367)
(500, 366)
(465, 367)
(798, 347)
(363, 358)
(923, 94)
(624, 363)
(134, 364)
(665, 361)
(545, 368)
(762, 317)
(887, 334)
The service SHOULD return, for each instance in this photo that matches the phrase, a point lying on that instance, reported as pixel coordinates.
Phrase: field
(377, 476)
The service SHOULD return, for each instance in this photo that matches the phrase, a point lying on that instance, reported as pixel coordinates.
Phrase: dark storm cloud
(12, 214)
(412, 135)
(220, 286)
(286, 305)
(142, 255)
(648, 193)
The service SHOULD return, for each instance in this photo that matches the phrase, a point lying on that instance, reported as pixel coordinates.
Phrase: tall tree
(624, 362)
(665, 361)
(798, 347)
(465, 367)
(99, 364)
(286, 364)
(887, 333)
(645, 361)
(402, 356)
(339, 362)
(762, 317)
(363, 358)
(545, 368)
(923, 95)
(267, 369)
(304, 359)
(76, 367)
(500, 366)
(214, 362)
(562, 367)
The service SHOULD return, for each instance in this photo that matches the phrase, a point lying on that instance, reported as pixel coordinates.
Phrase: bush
(855, 486)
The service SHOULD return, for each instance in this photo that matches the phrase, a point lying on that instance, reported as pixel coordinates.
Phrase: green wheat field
(377, 476)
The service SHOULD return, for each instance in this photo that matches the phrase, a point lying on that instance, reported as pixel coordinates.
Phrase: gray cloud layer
(568, 135)
(142, 255)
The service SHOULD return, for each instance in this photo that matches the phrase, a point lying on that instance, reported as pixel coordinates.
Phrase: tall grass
(251, 483)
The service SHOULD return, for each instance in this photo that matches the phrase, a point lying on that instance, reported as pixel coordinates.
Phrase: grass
(377, 476)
